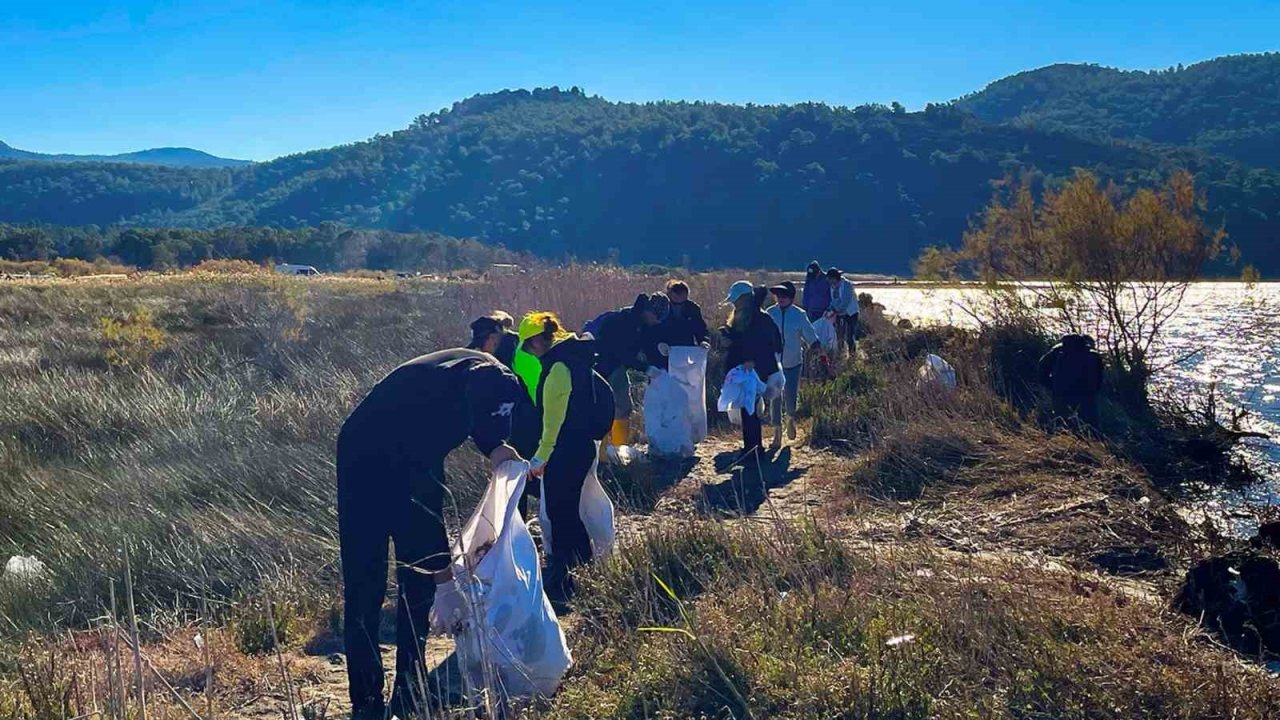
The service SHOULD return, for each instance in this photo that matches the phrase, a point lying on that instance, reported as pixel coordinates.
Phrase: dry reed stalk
(292, 709)
(133, 635)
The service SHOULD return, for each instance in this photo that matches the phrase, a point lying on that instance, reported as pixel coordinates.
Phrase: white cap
(737, 290)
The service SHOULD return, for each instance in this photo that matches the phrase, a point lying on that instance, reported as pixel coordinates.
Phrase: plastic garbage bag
(828, 337)
(596, 510)
(668, 423)
(513, 642)
(774, 386)
(742, 390)
(24, 568)
(936, 371)
(689, 366)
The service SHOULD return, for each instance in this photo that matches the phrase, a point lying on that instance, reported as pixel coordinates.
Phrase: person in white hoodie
(797, 335)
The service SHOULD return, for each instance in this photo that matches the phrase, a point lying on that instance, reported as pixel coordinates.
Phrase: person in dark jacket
(567, 448)
(686, 316)
(1073, 371)
(620, 346)
(391, 487)
(817, 292)
(494, 334)
(753, 341)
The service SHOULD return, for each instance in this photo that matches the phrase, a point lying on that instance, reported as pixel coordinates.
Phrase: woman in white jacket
(797, 334)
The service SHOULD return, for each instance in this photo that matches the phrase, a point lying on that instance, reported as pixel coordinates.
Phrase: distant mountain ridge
(168, 156)
(1227, 106)
(563, 174)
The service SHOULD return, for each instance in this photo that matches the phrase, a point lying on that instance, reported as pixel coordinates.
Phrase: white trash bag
(689, 366)
(596, 510)
(774, 387)
(936, 371)
(24, 568)
(667, 422)
(513, 638)
(741, 391)
(828, 337)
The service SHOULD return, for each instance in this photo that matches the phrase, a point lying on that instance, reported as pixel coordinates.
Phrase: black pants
(384, 496)
(1079, 413)
(562, 495)
(849, 331)
(751, 436)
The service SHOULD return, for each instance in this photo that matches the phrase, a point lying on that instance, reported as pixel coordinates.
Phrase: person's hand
(705, 344)
(664, 350)
(537, 467)
(503, 453)
(449, 609)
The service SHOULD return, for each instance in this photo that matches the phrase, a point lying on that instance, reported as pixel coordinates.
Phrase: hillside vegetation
(558, 173)
(175, 156)
(1228, 106)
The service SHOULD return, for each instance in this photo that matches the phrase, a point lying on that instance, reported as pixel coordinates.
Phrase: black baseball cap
(786, 288)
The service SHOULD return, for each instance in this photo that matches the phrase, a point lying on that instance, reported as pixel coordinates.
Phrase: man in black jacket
(686, 316)
(391, 486)
(1073, 370)
(621, 337)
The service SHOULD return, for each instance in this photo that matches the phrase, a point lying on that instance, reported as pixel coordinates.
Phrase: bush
(253, 628)
(131, 342)
(230, 267)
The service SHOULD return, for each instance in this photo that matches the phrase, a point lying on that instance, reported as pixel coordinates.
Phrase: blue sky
(257, 80)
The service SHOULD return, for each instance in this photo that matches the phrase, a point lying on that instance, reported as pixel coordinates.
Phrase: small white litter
(23, 567)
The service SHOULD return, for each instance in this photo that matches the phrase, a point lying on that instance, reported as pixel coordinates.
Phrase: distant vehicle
(504, 269)
(303, 270)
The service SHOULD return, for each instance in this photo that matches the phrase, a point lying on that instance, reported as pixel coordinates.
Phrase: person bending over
(392, 487)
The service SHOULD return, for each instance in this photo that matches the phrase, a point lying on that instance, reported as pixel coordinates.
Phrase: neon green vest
(529, 369)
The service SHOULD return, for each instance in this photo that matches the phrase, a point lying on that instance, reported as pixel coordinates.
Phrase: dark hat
(815, 267)
(834, 272)
(786, 288)
(659, 304)
(483, 327)
(642, 302)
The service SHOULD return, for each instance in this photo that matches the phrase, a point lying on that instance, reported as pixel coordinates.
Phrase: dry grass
(791, 624)
(209, 453)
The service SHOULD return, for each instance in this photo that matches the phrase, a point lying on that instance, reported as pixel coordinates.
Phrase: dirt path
(793, 483)
(796, 482)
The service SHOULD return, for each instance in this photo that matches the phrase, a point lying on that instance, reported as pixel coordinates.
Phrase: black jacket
(430, 405)
(618, 341)
(686, 324)
(759, 342)
(1072, 369)
(579, 356)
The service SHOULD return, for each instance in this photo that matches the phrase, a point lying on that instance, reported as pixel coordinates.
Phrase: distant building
(504, 269)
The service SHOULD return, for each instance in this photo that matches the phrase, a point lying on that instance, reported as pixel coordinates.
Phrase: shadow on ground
(748, 484)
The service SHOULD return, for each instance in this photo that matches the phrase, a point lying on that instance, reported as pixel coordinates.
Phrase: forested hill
(562, 174)
(1228, 106)
(173, 156)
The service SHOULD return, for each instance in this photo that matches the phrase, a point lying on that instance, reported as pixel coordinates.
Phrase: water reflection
(1225, 333)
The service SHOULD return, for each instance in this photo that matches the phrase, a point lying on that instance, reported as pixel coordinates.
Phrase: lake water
(1225, 333)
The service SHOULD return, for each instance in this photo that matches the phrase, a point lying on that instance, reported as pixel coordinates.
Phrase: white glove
(449, 609)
